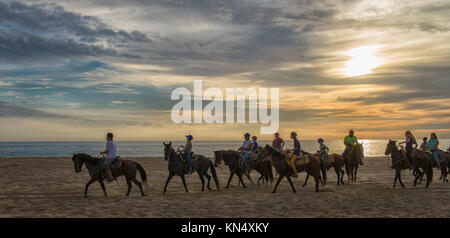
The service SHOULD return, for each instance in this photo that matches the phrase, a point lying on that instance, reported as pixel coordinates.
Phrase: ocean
(372, 148)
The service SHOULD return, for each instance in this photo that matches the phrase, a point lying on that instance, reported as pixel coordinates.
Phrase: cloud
(10, 110)
(120, 102)
(48, 30)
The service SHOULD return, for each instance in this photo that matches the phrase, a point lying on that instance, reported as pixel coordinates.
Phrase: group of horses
(422, 163)
(262, 162)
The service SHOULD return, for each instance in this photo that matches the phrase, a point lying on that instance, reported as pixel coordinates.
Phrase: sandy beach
(49, 187)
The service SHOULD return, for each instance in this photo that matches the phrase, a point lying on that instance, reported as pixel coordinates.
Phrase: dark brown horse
(400, 162)
(263, 166)
(177, 167)
(333, 161)
(353, 159)
(306, 163)
(95, 169)
(444, 165)
(233, 160)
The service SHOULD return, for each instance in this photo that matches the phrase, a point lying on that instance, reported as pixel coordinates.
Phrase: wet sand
(49, 187)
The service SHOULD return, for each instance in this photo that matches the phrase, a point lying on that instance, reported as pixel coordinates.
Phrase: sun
(363, 61)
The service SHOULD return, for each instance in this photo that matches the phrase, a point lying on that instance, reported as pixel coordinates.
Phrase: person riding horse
(349, 142)
(187, 152)
(296, 153)
(410, 140)
(110, 152)
(246, 149)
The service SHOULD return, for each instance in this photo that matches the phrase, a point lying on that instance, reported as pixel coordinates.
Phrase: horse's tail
(214, 174)
(430, 170)
(269, 168)
(141, 172)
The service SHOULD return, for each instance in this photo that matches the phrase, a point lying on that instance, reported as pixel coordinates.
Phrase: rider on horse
(323, 151)
(110, 152)
(277, 143)
(246, 148)
(255, 145)
(187, 150)
(349, 142)
(295, 154)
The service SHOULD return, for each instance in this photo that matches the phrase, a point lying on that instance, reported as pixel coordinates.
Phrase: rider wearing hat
(349, 142)
(277, 143)
(246, 147)
(295, 153)
(187, 150)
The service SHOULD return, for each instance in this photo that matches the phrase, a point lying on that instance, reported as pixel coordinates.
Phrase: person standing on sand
(187, 151)
(432, 145)
(277, 143)
(295, 154)
(110, 152)
(349, 142)
(410, 141)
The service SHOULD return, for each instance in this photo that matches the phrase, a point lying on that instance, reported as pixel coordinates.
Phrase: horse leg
(415, 179)
(229, 179)
(100, 181)
(290, 182)
(306, 180)
(129, 185)
(209, 180)
(203, 181)
(338, 174)
(317, 178)
(139, 184)
(242, 181)
(87, 186)
(184, 182)
(342, 176)
(280, 177)
(260, 178)
(249, 178)
(400, 179)
(395, 179)
(167, 182)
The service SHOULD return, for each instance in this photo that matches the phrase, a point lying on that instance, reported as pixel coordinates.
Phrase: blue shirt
(255, 146)
(297, 146)
(431, 143)
(245, 145)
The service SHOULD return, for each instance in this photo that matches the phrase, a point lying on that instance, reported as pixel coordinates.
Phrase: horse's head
(168, 149)
(392, 144)
(266, 151)
(217, 158)
(359, 150)
(77, 162)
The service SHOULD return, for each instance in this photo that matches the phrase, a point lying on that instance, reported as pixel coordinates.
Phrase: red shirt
(277, 143)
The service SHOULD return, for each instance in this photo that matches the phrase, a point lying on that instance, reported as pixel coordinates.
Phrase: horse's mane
(88, 158)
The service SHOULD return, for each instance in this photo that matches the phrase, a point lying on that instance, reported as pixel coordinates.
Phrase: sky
(74, 70)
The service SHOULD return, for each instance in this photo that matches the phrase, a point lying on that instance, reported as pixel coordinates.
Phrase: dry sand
(49, 187)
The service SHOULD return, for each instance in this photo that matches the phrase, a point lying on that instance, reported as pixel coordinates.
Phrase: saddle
(302, 160)
(330, 159)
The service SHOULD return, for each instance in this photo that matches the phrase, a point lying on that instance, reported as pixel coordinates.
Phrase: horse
(95, 169)
(263, 166)
(308, 163)
(177, 167)
(233, 160)
(400, 162)
(443, 165)
(333, 161)
(353, 160)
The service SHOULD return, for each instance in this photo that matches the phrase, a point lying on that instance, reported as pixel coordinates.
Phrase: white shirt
(111, 148)
(246, 145)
